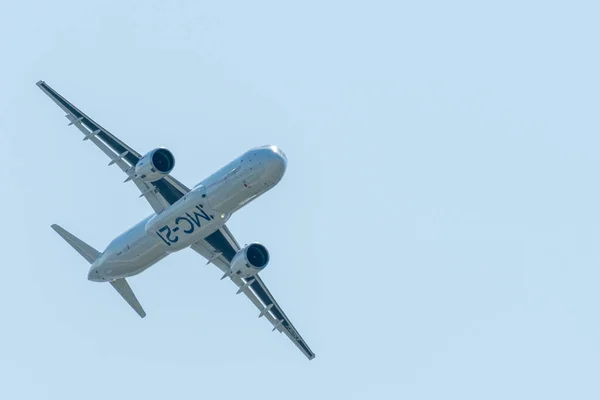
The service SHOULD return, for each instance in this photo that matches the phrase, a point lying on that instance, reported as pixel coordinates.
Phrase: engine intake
(154, 165)
(250, 260)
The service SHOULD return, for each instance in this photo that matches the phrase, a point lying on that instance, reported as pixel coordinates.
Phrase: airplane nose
(272, 165)
(276, 166)
(280, 153)
(280, 158)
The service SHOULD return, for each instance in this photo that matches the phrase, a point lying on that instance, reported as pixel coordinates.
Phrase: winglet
(125, 291)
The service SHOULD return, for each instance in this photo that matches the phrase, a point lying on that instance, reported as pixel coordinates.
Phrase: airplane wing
(159, 194)
(219, 248)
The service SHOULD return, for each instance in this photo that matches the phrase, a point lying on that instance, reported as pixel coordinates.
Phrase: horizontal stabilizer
(86, 251)
(125, 291)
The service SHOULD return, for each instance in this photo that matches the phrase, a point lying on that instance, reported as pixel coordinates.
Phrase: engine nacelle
(154, 165)
(249, 261)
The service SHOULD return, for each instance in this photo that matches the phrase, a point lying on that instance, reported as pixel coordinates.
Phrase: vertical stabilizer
(86, 251)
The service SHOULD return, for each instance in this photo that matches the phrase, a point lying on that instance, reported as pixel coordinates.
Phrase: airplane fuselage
(193, 217)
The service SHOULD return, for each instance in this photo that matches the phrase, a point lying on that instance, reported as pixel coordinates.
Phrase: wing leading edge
(219, 248)
(159, 194)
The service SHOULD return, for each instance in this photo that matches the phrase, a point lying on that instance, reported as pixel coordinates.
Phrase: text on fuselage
(186, 223)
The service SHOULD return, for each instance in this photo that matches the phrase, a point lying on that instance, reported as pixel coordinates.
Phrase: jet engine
(154, 165)
(249, 261)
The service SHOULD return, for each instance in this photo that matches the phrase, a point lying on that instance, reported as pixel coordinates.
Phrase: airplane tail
(86, 251)
(91, 255)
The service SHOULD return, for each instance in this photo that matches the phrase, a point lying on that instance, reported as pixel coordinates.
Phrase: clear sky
(436, 235)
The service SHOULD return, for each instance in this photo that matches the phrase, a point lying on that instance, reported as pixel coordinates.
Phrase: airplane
(184, 218)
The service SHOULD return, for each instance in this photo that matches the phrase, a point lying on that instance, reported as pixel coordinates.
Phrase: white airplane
(184, 218)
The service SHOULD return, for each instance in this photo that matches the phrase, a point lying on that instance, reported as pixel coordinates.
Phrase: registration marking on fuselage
(189, 221)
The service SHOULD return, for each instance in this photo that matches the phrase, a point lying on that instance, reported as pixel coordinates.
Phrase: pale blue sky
(436, 235)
